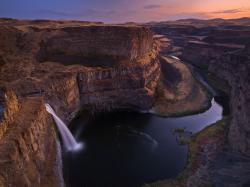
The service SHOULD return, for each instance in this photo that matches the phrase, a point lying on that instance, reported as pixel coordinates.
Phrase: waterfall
(68, 139)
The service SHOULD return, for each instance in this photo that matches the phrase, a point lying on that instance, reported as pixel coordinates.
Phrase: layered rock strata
(231, 66)
(131, 87)
(71, 65)
(108, 66)
(235, 69)
(95, 45)
(220, 47)
(178, 92)
(28, 146)
(200, 53)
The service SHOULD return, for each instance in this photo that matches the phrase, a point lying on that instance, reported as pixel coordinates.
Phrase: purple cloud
(186, 15)
(152, 6)
(229, 11)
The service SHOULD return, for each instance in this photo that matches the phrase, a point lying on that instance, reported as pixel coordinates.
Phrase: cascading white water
(68, 139)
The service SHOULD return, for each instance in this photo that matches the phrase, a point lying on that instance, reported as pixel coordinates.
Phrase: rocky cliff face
(220, 47)
(71, 65)
(178, 92)
(10, 107)
(108, 66)
(235, 69)
(229, 63)
(201, 53)
(95, 45)
(131, 87)
(28, 146)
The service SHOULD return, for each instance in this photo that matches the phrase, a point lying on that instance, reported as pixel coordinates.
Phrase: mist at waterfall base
(129, 149)
(68, 140)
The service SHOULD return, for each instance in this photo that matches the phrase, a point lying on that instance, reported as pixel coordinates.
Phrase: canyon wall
(10, 108)
(200, 53)
(75, 65)
(28, 147)
(131, 87)
(235, 69)
(70, 65)
(231, 64)
(220, 48)
(95, 45)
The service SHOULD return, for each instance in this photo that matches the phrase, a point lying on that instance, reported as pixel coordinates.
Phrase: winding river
(129, 149)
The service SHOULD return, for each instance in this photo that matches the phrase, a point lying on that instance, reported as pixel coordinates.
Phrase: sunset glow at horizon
(125, 10)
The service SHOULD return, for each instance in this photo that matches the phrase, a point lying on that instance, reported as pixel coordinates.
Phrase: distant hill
(245, 21)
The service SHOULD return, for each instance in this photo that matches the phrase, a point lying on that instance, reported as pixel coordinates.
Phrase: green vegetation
(183, 140)
(216, 132)
(183, 137)
(179, 130)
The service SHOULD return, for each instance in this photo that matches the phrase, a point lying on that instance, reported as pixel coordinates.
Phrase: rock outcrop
(230, 64)
(95, 45)
(10, 108)
(79, 64)
(201, 53)
(178, 92)
(28, 146)
(132, 86)
(69, 65)
(235, 69)
(221, 48)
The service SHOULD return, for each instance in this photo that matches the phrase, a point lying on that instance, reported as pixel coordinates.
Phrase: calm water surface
(128, 149)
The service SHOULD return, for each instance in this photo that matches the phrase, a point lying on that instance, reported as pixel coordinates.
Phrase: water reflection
(129, 149)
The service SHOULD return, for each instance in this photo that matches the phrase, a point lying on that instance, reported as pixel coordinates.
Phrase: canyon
(76, 66)
(70, 65)
(220, 50)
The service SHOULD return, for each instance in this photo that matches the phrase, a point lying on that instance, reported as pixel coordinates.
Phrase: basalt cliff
(70, 65)
(80, 63)
(220, 50)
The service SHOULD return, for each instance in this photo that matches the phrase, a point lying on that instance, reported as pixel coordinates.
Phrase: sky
(116, 11)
